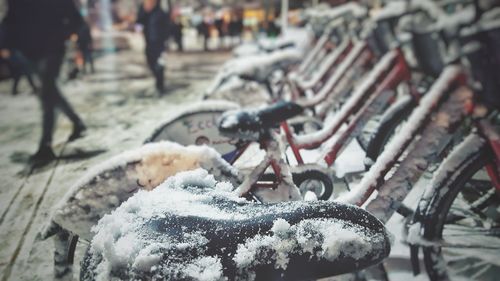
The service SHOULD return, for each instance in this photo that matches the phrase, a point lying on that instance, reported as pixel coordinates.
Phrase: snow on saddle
(251, 124)
(194, 228)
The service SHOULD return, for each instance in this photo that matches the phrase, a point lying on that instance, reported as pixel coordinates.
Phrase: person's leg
(160, 68)
(45, 153)
(153, 56)
(32, 82)
(150, 58)
(160, 78)
(178, 40)
(16, 77)
(55, 62)
(90, 60)
(66, 108)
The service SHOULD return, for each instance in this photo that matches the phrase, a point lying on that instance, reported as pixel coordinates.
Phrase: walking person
(84, 42)
(219, 25)
(177, 33)
(39, 29)
(155, 27)
(204, 30)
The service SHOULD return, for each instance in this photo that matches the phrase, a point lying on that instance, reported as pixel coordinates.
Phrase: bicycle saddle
(251, 123)
(185, 231)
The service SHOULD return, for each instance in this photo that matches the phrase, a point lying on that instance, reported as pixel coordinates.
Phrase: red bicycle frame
(396, 72)
(385, 80)
(451, 79)
(355, 56)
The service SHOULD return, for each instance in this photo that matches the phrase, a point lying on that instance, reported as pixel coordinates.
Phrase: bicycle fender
(403, 105)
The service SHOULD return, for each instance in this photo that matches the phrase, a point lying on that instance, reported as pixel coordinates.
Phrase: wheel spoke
(472, 210)
(464, 237)
(481, 271)
(468, 238)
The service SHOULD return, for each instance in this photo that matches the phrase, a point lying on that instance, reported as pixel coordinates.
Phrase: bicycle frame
(315, 80)
(354, 57)
(318, 47)
(283, 176)
(452, 78)
(451, 96)
(392, 71)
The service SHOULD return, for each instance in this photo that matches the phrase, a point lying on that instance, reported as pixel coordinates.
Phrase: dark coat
(39, 28)
(155, 23)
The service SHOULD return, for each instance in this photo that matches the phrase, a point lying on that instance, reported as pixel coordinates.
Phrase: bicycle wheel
(197, 125)
(465, 220)
(314, 181)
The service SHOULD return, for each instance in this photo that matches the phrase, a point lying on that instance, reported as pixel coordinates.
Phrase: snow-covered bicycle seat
(192, 228)
(252, 123)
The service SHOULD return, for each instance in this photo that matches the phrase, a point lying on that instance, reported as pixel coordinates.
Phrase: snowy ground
(121, 109)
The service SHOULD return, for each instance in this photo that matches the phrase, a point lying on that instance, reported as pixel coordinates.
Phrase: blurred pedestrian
(177, 33)
(236, 27)
(39, 29)
(219, 25)
(204, 30)
(155, 24)
(239, 28)
(84, 42)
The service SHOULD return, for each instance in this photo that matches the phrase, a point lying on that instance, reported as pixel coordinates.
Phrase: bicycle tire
(176, 129)
(440, 205)
(299, 178)
(386, 130)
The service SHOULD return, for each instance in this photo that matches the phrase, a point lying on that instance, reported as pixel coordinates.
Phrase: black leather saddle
(247, 240)
(252, 123)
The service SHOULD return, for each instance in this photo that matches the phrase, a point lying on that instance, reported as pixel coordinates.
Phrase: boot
(78, 132)
(43, 156)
